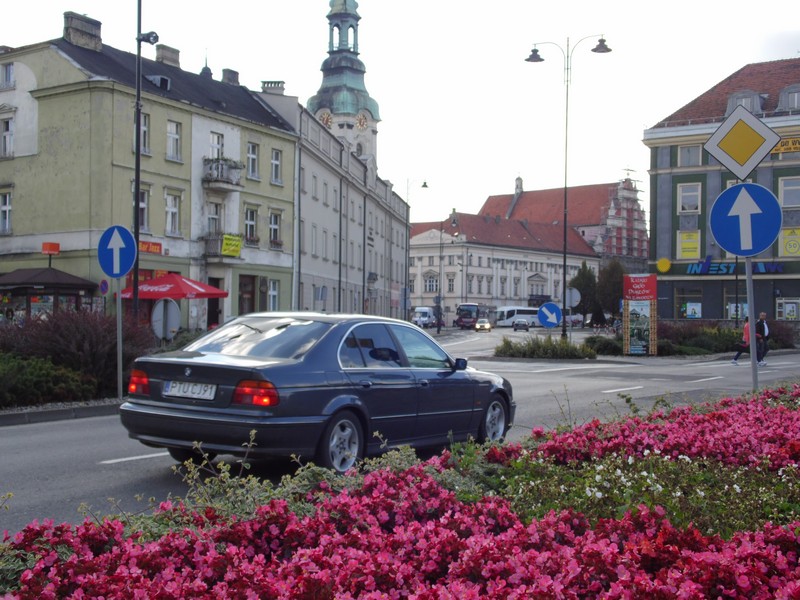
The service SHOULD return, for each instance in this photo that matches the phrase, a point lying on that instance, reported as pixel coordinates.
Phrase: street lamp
(601, 48)
(151, 37)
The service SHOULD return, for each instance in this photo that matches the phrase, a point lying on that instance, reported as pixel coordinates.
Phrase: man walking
(762, 339)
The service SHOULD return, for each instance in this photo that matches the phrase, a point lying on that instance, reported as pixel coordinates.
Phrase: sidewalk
(43, 414)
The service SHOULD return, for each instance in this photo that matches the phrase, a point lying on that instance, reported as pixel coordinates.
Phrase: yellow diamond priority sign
(741, 142)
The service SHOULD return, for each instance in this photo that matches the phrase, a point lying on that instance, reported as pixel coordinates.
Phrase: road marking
(637, 387)
(130, 458)
(705, 379)
(556, 369)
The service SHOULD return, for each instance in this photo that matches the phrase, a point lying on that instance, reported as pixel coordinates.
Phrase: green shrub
(84, 342)
(534, 347)
(33, 381)
(604, 345)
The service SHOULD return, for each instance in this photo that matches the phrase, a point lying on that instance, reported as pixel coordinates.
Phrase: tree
(609, 287)
(585, 282)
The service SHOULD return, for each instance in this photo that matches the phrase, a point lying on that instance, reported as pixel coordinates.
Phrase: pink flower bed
(402, 535)
(744, 433)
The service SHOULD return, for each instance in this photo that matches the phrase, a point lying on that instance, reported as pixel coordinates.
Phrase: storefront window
(688, 302)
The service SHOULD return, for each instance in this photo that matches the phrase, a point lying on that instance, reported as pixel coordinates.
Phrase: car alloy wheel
(493, 427)
(342, 442)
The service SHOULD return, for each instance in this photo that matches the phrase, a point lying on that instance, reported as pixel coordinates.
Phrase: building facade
(697, 278)
(352, 254)
(244, 190)
(492, 261)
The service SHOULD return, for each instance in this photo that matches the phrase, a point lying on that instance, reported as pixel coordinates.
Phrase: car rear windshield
(262, 337)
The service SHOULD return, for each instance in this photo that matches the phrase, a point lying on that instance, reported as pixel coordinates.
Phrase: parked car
(483, 325)
(314, 385)
(521, 325)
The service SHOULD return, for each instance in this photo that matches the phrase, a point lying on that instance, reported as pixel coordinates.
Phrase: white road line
(130, 458)
(705, 379)
(556, 369)
(637, 387)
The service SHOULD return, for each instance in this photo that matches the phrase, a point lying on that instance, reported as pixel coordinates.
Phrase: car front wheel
(342, 443)
(495, 421)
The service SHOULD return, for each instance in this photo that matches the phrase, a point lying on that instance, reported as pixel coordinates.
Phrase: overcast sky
(460, 108)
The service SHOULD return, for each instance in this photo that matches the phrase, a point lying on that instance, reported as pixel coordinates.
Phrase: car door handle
(424, 383)
(365, 383)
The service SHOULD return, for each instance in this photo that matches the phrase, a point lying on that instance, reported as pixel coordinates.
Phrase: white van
(424, 317)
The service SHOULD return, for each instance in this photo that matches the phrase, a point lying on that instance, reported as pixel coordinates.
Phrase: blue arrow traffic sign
(746, 219)
(549, 314)
(116, 251)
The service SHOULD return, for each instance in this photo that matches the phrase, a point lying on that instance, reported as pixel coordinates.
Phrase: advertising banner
(639, 314)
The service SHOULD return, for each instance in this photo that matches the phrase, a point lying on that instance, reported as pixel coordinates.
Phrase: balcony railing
(276, 244)
(222, 170)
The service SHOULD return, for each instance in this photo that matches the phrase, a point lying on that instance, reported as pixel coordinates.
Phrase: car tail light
(139, 384)
(255, 393)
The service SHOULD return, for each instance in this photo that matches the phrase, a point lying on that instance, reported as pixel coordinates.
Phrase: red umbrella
(175, 286)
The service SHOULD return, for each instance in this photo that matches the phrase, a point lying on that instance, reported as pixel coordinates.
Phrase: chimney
(82, 31)
(168, 56)
(230, 76)
(273, 87)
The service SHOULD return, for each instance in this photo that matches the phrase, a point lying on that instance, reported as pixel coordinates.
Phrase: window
(217, 145)
(272, 294)
(431, 283)
(276, 175)
(173, 140)
(689, 197)
(689, 156)
(421, 352)
(789, 192)
(793, 100)
(251, 226)
(7, 76)
(144, 141)
(325, 244)
(144, 209)
(173, 217)
(252, 160)
(214, 217)
(5, 213)
(7, 139)
(313, 240)
(275, 229)
(314, 193)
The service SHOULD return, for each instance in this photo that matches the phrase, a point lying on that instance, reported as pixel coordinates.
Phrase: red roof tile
(585, 204)
(492, 231)
(766, 79)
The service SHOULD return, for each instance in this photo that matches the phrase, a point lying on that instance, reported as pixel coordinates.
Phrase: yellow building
(217, 172)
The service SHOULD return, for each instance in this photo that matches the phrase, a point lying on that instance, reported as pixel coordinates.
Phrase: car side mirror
(460, 364)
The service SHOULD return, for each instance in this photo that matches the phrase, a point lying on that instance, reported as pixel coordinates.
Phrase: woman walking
(744, 345)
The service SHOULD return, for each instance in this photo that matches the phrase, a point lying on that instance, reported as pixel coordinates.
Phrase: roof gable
(766, 79)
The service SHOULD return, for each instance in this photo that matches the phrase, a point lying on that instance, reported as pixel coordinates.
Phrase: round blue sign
(746, 219)
(116, 251)
(549, 314)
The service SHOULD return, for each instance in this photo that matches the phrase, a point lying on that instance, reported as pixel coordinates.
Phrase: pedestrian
(762, 339)
(744, 344)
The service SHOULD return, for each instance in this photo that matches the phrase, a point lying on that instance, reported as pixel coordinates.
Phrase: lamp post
(534, 57)
(151, 37)
(440, 298)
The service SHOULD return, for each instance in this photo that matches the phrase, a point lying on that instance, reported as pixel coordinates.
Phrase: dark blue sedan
(329, 388)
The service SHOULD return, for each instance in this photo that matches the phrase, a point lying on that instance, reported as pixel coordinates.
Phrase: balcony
(223, 245)
(276, 244)
(222, 173)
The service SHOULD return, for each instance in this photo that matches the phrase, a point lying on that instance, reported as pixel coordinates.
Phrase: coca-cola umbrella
(175, 286)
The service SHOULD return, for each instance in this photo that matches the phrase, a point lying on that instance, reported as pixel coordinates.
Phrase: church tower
(342, 102)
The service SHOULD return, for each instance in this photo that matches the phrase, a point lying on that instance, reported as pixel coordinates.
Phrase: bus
(506, 315)
(467, 313)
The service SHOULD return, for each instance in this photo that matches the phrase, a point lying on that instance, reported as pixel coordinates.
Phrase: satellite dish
(165, 318)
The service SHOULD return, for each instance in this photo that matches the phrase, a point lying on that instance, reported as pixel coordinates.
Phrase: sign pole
(119, 338)
(751, 313)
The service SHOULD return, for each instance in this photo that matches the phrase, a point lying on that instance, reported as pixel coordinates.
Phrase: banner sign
(639, 287)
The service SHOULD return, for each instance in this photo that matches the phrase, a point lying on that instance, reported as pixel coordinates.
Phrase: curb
(57, 414)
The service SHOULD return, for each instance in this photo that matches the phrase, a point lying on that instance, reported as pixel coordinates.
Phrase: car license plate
(189, 389)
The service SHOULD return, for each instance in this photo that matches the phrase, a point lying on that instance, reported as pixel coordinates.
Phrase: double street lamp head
(601, 48)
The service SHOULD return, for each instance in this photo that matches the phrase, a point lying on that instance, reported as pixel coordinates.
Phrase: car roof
(332, 318)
